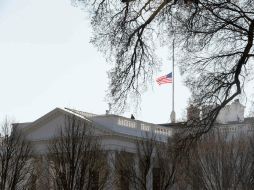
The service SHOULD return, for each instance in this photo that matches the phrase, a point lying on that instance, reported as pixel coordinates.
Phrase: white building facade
(117, 133)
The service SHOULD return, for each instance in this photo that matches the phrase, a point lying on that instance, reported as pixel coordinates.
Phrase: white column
(111, 159)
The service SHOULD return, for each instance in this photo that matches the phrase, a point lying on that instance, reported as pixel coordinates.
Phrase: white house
(117, 133)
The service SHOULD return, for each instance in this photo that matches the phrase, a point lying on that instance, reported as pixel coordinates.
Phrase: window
(156, 179)
(123, 180)
(95, 180)
(124, 163)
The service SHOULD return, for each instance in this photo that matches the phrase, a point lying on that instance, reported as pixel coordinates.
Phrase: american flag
(164, 79)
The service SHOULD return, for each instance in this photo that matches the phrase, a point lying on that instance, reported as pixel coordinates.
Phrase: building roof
(81, 113)
(109, 123)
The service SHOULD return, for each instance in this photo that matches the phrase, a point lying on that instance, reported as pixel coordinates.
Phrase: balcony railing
(145, 127)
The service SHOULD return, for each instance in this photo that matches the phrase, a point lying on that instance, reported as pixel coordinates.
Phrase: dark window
(124, 161)
(95, 180)
(124, 181)
(156, 179)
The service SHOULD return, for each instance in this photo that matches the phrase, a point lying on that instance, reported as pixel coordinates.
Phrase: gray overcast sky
(47, 61)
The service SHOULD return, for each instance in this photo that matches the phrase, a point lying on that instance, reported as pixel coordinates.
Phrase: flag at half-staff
(165, 79)
(169, 78)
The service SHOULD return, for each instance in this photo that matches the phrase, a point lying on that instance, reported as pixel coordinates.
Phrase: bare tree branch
(76, 158)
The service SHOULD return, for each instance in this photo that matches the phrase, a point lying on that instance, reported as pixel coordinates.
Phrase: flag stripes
(165, 79)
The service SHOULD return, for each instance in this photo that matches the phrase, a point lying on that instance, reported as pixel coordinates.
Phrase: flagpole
(173, 115)
(173, 73)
